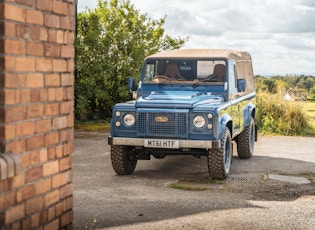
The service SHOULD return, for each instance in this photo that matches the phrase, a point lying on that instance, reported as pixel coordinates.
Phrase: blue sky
(279, 35)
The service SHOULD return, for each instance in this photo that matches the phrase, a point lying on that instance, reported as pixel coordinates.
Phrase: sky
(279, 34)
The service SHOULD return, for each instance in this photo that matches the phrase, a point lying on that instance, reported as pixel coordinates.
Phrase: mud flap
(142, 155)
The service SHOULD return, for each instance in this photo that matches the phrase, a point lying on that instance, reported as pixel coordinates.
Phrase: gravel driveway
(248, 199)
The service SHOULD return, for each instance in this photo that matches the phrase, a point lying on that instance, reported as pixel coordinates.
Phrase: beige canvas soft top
(243, 60)
(203, 53)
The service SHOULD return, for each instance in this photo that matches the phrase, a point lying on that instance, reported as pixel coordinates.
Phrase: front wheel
(219, 160)
(124, 161)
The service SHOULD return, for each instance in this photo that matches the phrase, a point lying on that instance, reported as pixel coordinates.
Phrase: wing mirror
(131, 84)
(132, 87)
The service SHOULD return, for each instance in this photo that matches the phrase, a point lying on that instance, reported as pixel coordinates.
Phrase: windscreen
(187, 71)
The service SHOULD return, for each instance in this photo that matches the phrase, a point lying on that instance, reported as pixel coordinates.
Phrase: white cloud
(278, 34)
(84, 4)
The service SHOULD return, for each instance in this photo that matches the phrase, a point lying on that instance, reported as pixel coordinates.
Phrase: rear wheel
(245, 141)
(124, 161)
(219, 160)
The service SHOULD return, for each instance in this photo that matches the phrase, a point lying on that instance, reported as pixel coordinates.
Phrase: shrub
(278, 116)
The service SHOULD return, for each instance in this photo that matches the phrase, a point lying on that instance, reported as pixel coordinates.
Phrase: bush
(277, 116)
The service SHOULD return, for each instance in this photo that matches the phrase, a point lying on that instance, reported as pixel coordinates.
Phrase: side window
(207, 68)
(148, 72)
(204, 69)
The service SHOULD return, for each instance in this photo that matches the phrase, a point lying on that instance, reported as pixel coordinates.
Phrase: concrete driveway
(248, 199)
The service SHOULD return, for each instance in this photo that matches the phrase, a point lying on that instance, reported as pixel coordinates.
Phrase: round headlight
(129, 119)
(199, 121)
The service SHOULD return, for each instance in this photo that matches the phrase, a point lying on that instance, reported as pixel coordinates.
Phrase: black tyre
(219, 160)
(245, 141)
(124, 161)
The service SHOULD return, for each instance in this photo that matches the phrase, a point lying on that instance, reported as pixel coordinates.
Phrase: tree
(312, 94)
(112, 41)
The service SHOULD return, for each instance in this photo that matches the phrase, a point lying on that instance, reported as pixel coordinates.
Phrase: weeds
(92, 126)
(195, 184)
(188, 187)
(278, 116)
(202, 181)
(92, 225)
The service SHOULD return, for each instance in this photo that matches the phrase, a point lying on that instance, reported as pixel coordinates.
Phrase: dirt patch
(281, 191)
(259, 188)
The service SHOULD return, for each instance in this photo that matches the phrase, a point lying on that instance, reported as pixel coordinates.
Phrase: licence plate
(154, 143)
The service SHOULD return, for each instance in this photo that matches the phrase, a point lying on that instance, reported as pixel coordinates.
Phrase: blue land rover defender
(188, 102)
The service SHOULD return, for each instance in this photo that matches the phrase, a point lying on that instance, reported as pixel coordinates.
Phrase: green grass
(309, 108)
(207, 180)
(92, 126)
(310, 177)
(278, 116)
(195, 184)
(188, 187)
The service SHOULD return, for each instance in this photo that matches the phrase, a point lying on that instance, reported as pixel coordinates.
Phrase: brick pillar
(36, 113)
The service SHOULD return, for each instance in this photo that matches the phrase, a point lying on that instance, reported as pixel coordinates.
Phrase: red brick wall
(36, 112)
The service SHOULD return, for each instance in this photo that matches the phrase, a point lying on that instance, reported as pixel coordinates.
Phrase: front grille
(175, 126)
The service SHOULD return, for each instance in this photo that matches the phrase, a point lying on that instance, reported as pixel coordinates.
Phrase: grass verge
(309, 108)
(278, 116)
(196, 184)
(92, 126)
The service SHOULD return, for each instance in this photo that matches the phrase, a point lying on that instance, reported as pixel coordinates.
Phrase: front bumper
(192, 144)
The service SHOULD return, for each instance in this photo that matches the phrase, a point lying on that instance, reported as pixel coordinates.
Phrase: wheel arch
(250, 113)
(253, 112)
(225, 121)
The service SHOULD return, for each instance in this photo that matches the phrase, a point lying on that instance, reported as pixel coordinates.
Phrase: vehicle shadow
(103, 199)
